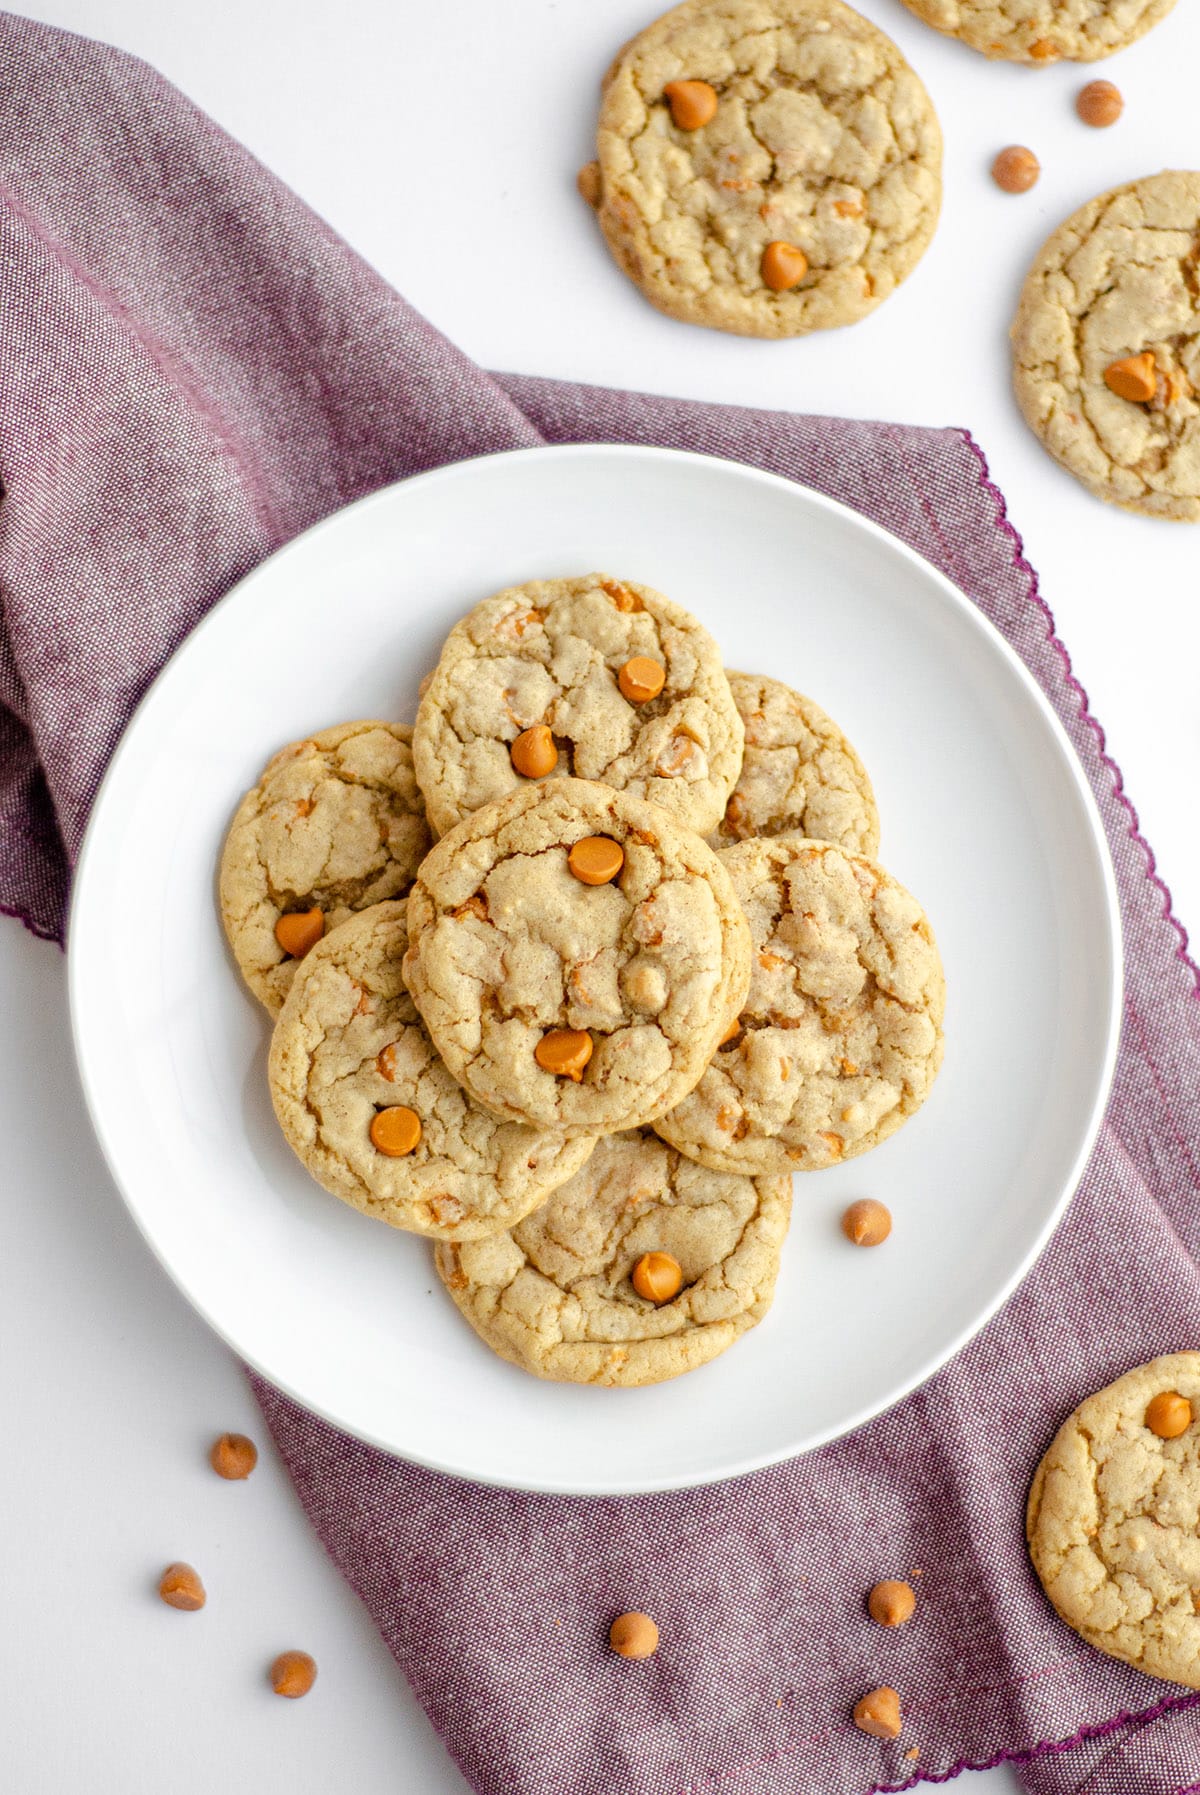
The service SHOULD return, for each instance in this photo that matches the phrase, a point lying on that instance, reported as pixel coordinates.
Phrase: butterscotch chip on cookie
(800, 776)
(1106, 346)
(595, 678)
(556, 1295)
(841, 1035)
(369, 1108)
(335, 824)
(1041, 32)
(1111, 1521)
(796, 203)
(575, 1007)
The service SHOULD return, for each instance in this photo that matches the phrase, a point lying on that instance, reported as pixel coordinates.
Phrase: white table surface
(430, 134)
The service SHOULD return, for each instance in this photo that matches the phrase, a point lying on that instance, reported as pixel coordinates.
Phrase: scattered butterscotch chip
(641, 679)
(1016, 169)
(1168, 1414)
(633, 1636)
(913, 1753)
(891, 1603)
(783, 266)
(878, 1713)
(233, 1457)
(298, 931)
(657, 1277)
(867, 1223)
(1099, 103)
(395, 1131)
(565, 1052)
(1135, 378)
(589, 184)
(692, 103)
(293, 1674)
(1044, 51)
(180, 1587)
(533, 754)
(596, 860)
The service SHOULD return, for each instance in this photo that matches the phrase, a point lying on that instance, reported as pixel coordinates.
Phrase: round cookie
(551, 653)
(800, 776)
(1117, 283)
(555, 1295)
(1043, 31)
(348, 1044)
(823, 140)
(510, 950)
(1111, 1523)
(841, 1033)
(336, 823)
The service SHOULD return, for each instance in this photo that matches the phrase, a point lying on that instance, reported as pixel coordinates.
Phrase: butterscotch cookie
(1043, 31)
(593, 677)
(840, 1036)
(1111, 1520)
(367, 1105)
(335, 824)
(768, 167)
(1106, 346)
(576, 956)
(558, 1295)
(800, 776)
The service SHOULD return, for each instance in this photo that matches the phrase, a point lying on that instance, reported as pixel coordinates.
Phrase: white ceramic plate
(986, 817)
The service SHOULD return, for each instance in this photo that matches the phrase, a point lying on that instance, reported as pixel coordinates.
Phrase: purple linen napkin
(192, 369)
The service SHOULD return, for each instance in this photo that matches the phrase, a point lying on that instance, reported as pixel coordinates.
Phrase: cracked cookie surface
(1118, 279)
(348, 1043)
(1113, 1523)
(507, 946)
(841, 1035)
(554, 1295)
(800, 776)
(1043, 31)
(549, 652)
(823, 139)
(335, 823)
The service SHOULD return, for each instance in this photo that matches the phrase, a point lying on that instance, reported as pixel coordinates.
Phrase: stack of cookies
(573, 976)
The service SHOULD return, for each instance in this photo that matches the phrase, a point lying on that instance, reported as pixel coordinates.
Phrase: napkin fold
(193, 368)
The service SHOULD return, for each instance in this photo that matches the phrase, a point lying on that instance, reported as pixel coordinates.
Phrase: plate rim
(794, 490)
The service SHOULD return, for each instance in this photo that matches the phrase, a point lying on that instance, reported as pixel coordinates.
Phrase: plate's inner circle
(985, 816)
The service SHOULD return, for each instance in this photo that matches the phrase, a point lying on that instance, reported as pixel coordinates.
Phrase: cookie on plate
(576, 956)
(557, 1295)
(1111, 1520)
(768, 167)
(335, 824)
(800, 776)
(1043, 31)
(1106, 346)
(841, 1033)
(593, 677)
(367, 1105)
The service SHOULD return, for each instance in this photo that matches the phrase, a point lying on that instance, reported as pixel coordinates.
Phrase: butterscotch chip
(533, 753)
(293, 1674)
(596, 860)
(658, 1277)
(395, 1131)
(299, 931)
(878, 1713)
(1016, 169)
(633, 1636)
(180, 1587)
(1168, 1414)
(1099, 104)
(783, 266)
(641, 679)
(1134, 377)
(867, 1223)
(1044, 49)
(891, 1603)
(692, 103)
(565, 1052)
(589, 184)
(233, 1456)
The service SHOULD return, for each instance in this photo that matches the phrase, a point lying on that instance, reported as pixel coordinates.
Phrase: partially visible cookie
(556, 1295)
(1106, 346)
(800, 776)
(1043, 31)
(1112, 1519)
(348, 1048)
(335, 824)
(841, 1032)
(552, 656)
(571, 998)
(768, 167)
